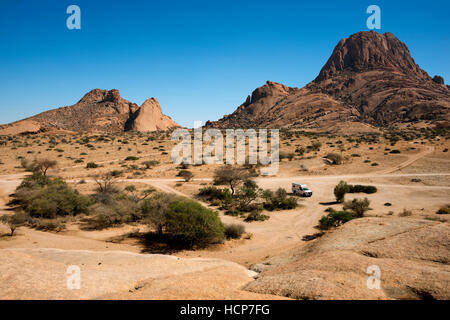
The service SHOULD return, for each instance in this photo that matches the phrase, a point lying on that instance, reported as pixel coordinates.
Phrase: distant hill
(98, 111)
(369, 81)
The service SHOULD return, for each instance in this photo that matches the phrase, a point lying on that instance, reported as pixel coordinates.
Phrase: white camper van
(301, 190)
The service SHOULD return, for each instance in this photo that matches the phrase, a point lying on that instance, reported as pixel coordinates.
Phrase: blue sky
(200, 59)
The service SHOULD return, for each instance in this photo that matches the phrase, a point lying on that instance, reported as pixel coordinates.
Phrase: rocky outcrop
(369, 80)
(98, 111)
(149, 117)
(411, 254)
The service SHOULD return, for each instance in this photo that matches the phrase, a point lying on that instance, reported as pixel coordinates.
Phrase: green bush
(212, 193)
(91, 165)
(186, 175)
(444, 210)
(190, 223)
(335, 219)
(278, 200)
(357, 206)
(42, 197)
(340, 190)
(234, 231)
(48, 224)
(131, 158)
(104, 216)
(286, 155)
(335, 158)
(362, 189)
(256, 215)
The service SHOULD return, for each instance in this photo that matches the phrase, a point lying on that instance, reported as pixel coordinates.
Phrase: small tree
(14, 221)
(340, 190)
(105, 181)
(155, 209)
(42, 165)
(138, 196)
(248, 193)
(357, 206)
(228, 175)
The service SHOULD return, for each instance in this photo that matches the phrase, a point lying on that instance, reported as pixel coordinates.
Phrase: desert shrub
(212, 193)
(340, 190)
(149, 164)
(107, 195)
(335, 219)
(91, 165)
(131, 158)
(395, 151)
(335, 158)
(357, 206)
(286, 155)
(405, 213)
(357, 188)
(444, 210)
(278, 200)
(48, 224)
(36, 180)
(186, 175)
(234, 231)
(300, 151)
(24, 163)
(103, 216)
(184, 166)
(311, 237)
(42, 197)
(116, 173)
(316, 145)
(190, 223)
(256, 215)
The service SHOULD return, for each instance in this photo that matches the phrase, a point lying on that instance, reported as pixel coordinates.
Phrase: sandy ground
(33, 264)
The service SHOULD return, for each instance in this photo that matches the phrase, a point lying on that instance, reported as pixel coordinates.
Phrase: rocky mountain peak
(100, 95)
(370, 50)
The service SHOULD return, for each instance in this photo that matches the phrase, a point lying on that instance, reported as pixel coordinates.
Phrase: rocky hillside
(98, 111)
(369, 80)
